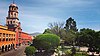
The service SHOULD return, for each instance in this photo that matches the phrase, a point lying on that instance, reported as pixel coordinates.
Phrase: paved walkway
(18, 52)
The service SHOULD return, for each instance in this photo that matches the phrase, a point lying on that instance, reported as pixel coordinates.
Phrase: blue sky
(35, 15)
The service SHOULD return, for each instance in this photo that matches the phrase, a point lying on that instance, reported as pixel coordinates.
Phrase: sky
(35, 15)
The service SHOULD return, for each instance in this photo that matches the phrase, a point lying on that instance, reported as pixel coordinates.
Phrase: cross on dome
(13, 4)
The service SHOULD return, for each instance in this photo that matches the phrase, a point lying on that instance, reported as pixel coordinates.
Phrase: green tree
(70, 24)
(30, 50)
(70, 37)
(47, 31)
(97, 40)
(90, 38)
(55, 28)
(71, 30)
(46, 41)
(86, 37)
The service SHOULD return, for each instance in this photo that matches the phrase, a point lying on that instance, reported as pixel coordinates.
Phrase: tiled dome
(13, 5)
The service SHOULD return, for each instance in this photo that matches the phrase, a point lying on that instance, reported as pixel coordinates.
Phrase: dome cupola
(13, 5)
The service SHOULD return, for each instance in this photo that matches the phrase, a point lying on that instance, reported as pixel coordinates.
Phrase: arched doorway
(2, 48)
(13, 46)
(6, 48)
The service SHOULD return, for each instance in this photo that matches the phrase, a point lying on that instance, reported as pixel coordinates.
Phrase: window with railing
(9, 39)
(6, 35)
(3, 39)
(6, 39)
(14, 39)
(3, 34)
(9, 36)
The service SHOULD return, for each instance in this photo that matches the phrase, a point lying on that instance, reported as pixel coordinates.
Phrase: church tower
(12, 20)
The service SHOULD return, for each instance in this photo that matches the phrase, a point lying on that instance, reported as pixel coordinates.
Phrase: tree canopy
(90, 38)
(46, 41)
(70, 24)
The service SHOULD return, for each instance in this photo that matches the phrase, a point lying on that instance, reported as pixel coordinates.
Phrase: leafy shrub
(81, 54)
(30, 50)
(68, 52)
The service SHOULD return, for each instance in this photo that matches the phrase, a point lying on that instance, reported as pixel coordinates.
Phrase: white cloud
(36, 23)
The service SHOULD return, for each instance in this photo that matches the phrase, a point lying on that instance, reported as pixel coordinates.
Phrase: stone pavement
(18, 52)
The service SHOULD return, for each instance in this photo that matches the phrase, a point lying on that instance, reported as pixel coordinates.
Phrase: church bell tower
(12, 20)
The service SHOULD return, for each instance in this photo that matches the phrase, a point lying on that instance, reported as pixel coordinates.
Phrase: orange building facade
(7, 39)
(25, 38)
